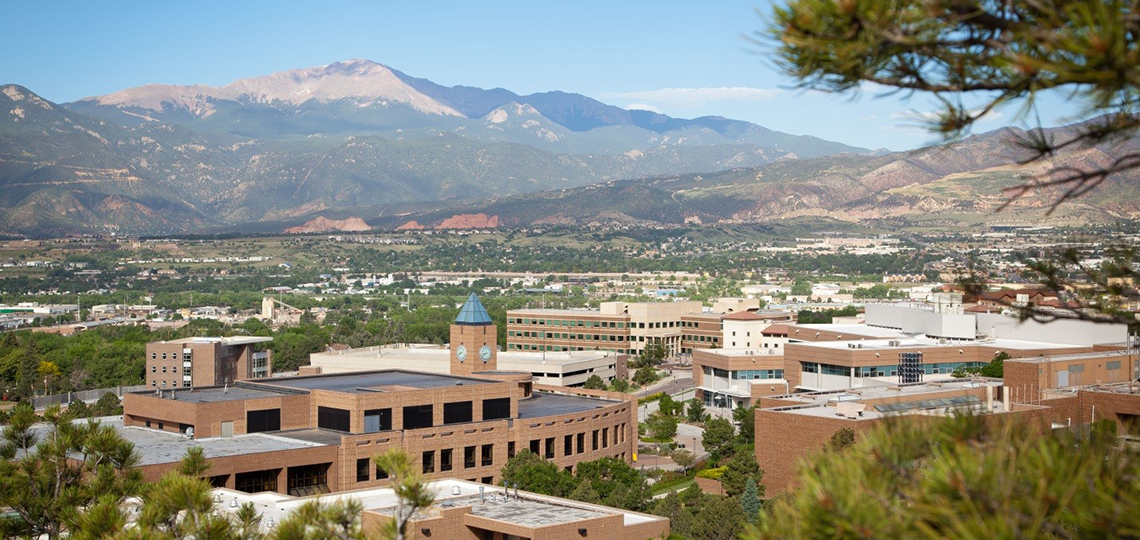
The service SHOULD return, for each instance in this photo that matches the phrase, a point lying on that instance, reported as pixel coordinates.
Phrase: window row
(563, 322)
(414, 416)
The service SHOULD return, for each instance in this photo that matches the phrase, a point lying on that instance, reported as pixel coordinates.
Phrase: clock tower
(474, 340)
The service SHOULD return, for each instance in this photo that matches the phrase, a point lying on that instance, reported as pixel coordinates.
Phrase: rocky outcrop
(323, 224)
(412, 225)
(469, 221)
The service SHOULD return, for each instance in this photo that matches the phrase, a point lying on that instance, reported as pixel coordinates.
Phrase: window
(605, 437)
(253, 482)
(581, 443)
(306, 480)
(510, 449)
(429, 461)
(154, 369)
(377, 420)
(469, 457)
(568, 445)
(445, 459)
(494, 409)
(267, 420)
(417, 416)
(335, 419)
(457, 413)
(534, 447)
(488, 455)
(595, 439)
(549, 448)
(381, 473)
(362, 469)
(164, 369)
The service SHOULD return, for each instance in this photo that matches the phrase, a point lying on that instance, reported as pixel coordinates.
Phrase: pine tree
(750, 501)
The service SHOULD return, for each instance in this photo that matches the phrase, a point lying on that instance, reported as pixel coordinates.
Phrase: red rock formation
(469, 221)
(412, 225)
(323, 224)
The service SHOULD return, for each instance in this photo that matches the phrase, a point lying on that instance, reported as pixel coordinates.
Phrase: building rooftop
(743, 316)
(156, 447)
(473, 312)
(548, 404)
(855, 330)
(529, 510)
(372, 381)
(909, 397)
(1067, 357)
(214, 394)
(233, 340)
(926, 342)
(774, 353)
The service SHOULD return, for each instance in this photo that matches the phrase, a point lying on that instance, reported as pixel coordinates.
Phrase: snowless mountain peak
(361, 80)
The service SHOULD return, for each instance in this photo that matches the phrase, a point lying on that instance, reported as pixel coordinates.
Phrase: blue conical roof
(473, 312)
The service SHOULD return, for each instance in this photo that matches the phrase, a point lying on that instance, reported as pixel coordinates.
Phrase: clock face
(485, 354)
(461, 353)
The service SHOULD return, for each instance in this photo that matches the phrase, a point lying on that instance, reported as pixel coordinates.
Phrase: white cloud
(696, 97)
(643, 107)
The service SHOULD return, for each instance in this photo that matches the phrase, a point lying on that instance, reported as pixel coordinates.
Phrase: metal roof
(473, 312)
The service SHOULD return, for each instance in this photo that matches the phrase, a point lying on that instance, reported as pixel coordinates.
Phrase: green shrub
(713, 474)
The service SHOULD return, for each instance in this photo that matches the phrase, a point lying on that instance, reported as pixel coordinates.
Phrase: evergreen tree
(594, 382)
(721, 518)
(740, 469)
(718, 437)
(962, 477)
(532, 473)
(750, 500)
(696, 411)
(45, 479)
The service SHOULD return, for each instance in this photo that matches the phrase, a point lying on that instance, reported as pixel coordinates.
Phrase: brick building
(206, 361)
(624, 327)
(792, 427)
(316, 434)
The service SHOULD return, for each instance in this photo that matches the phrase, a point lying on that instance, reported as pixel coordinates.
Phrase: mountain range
(161, 159)
(960, 184)
(358, 139)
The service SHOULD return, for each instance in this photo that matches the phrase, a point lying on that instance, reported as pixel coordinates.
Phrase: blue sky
(685, 59)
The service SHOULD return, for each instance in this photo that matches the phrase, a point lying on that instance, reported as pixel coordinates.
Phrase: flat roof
(1068, 357)
(214, 394)
(232, 340)
(529, 510)
(547, 404)
(853, 329)
(867, 393)
(156, 447)
(758, 351)
(926, 342)
(372, 381)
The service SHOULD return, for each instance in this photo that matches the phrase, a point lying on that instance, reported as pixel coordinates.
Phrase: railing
(41, 402)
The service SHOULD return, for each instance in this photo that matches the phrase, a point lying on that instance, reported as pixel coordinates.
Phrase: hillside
(284, 147)
(959, 184)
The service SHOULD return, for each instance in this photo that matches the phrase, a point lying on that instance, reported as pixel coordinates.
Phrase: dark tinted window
(494, 409)
(267, 420)
(458, 412)
(330, 418)
(377, 420)
(417, 416)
